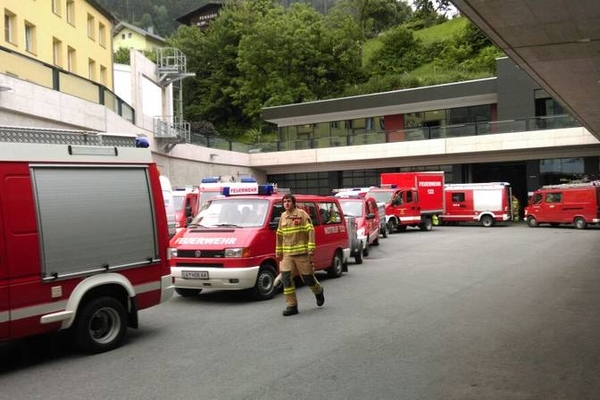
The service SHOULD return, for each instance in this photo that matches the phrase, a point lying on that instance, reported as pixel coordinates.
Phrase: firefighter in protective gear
(515, 208)
(294, 249)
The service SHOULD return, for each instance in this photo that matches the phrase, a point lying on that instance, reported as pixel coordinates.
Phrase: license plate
(194, 274)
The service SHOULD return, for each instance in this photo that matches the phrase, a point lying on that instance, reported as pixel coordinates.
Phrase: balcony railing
(52, 77)
(424, 133)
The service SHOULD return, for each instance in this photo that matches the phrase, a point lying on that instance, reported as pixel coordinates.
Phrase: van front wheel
(532, 222)
(264, 289)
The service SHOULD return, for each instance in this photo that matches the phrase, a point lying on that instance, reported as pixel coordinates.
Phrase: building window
(103, 75)
(71, 59)
(30, 38)
(458, 197)
(71, 12)
(102, 34)
(123, 36)
(92, 69)
(56, 7)
(129, 35)
(9, 27)
(57, 52)
(561, 170)
(91, 25)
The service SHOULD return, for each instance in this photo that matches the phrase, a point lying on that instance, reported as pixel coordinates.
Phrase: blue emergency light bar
(248, 179)
(210, 180)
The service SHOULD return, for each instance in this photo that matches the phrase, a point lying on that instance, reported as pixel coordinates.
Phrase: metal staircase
(172, 69)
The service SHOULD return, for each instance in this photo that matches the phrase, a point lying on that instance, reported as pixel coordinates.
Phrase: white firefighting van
(83, 236)
(485, 203)
(411, 198)
(365, 211)
(231, 244)
(575, 203)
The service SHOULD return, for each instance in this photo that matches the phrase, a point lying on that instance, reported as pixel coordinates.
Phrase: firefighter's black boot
(320, 298)
(290, 310)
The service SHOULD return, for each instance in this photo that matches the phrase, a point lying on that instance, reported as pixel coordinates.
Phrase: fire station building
(504, 128)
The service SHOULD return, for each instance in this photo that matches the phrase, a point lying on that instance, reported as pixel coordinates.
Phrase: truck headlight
(172, 253)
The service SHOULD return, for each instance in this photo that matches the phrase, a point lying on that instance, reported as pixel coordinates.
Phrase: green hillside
(450, 52)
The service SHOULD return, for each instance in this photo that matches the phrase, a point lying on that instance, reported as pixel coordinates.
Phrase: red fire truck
(83, 236)
(231, 244)
(575, 203)
(411, 198)
(486, 203)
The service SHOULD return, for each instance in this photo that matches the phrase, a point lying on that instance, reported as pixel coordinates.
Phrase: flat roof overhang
(450, 95)
(557, 42)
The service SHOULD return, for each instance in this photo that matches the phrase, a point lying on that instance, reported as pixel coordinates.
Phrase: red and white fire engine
(575, 203)
(231, 244)
(411, 198)
(83, 236)
(486, 203)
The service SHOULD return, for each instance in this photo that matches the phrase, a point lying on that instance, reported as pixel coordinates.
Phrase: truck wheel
(187, 292)
(426, 225)
(264, 289)
(487, 221)
(532, 222)
(358, 256)
(392, 225)
(337, 266)
(580, 223)
(101, 325)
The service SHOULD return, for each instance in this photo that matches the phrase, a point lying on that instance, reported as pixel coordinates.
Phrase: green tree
(288, 58)
(400, 53)
(374, 16)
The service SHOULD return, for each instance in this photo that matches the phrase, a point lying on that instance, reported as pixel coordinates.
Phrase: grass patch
(443, 31)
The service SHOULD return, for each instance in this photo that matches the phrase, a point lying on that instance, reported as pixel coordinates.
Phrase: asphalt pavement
(465, 312)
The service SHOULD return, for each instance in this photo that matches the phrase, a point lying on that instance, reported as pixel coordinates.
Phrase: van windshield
(382, 196)
(352, 208)
(232, 212)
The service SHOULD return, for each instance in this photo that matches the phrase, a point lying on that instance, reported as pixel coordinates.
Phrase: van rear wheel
(101, 325)
(392, 225)
(580, 223)
(487, 221)
(337, 266)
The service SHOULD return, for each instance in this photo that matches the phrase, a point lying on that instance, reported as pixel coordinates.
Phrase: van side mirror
(188, 211)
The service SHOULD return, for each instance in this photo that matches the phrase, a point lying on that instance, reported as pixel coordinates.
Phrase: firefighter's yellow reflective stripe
(290, 290)
(294, 229)
(298, 247)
